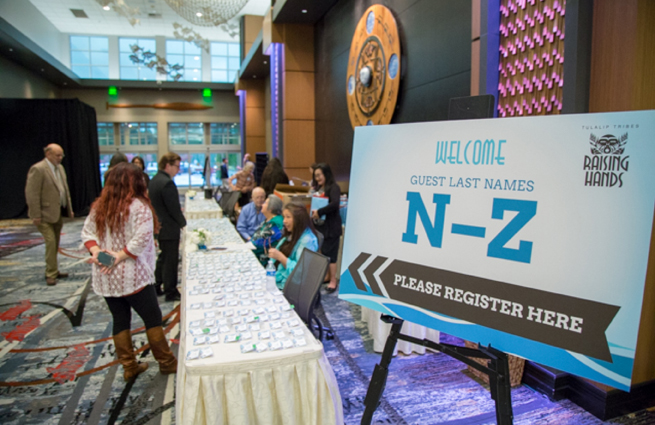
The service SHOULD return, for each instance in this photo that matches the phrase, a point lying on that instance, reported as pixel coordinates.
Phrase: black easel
(498, 371)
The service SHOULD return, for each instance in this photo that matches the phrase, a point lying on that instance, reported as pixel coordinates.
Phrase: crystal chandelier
(207, 13)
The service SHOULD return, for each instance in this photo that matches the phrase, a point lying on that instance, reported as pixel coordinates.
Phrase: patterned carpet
(59, 368)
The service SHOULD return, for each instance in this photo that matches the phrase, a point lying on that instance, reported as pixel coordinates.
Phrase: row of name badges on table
(229, 290)
(222, 230)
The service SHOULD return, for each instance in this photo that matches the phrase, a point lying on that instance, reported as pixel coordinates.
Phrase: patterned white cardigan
(137, 240)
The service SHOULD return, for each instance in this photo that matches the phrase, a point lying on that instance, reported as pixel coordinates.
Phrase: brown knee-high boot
(125, 354)
(161, 350)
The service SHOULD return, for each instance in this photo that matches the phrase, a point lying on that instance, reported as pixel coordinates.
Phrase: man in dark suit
(166, 202)
(48, 200)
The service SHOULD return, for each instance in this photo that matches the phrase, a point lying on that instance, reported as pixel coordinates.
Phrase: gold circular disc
(373, 68)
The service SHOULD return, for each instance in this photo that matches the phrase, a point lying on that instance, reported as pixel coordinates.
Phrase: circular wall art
(373, 68)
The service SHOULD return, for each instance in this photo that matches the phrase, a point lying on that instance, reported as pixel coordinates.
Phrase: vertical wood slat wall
(622, 79)
(531, 57)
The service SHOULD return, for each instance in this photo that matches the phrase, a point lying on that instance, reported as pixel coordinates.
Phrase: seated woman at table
(299, 234)
(121, 228)
(270, 230)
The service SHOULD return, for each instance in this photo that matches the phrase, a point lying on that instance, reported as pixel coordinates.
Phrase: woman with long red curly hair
(122, 224)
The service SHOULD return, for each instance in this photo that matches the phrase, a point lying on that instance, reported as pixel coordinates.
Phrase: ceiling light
(265, 62)
(11, 50)
(196, 58)
(106, 8)
(207, 13)
(195, 70)
(304, 11)
(195, 79)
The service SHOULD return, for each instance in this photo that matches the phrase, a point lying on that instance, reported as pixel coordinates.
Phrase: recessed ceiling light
(265, 62)
(198, 14)
(65, 83)
(304, 11)
(254, 76)
(42, 69)
(11, 50)
(106, 8)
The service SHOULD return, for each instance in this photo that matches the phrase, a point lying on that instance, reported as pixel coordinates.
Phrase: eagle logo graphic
(608, 144)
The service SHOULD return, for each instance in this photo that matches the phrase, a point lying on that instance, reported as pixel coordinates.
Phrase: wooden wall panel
(255, 94)
(252, 25)
(255, 144)
(475, 67)
(299, 173)
(255, 122)
(613, 49)
(643, 89)
(299, 143)
(298, 95)
(299, 47)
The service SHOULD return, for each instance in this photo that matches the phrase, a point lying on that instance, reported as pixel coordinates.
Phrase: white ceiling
(101, 22)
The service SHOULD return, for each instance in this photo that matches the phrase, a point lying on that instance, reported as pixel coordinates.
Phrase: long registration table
(196, 206)
(245, 356)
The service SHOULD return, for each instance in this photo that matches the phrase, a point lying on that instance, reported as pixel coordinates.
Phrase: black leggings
(143, 302)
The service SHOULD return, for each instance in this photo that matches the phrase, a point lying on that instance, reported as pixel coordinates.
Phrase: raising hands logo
(606, 165)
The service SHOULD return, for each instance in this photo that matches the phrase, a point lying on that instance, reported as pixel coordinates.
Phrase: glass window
(104, 166)
(105, 133)
(138, 133)
(181, 179)
(90, 56)
(225, 60)
(186, 134)
(188, 55)
(216, 160)
(134, 71)
(150, 160)
(225, 133)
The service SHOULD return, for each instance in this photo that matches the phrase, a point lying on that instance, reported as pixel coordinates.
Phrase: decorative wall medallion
(373, 68)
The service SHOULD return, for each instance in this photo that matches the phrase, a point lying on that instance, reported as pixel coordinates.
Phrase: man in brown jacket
(48, 198)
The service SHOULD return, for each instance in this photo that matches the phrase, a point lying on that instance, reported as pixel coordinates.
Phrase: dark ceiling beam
(255, 64)
(300, 11)
(18, 48)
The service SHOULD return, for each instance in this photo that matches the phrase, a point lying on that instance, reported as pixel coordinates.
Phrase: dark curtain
(29, 125)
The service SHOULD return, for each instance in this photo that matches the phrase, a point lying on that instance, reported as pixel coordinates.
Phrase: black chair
(302, 286)
(329, 334)
(227, 203)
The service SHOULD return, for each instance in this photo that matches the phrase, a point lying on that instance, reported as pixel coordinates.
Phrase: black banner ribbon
(562, 321)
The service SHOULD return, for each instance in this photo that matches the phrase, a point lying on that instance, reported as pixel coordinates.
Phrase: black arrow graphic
(368, 272)
(361, 259)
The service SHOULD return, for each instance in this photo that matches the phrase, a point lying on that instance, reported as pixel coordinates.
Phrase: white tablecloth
(380, 331)
(292, 386)
(198, 207)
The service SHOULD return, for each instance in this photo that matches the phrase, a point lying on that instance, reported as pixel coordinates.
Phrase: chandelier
(207, 13)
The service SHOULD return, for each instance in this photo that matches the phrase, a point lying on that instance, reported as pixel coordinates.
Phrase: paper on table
(236, 247)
